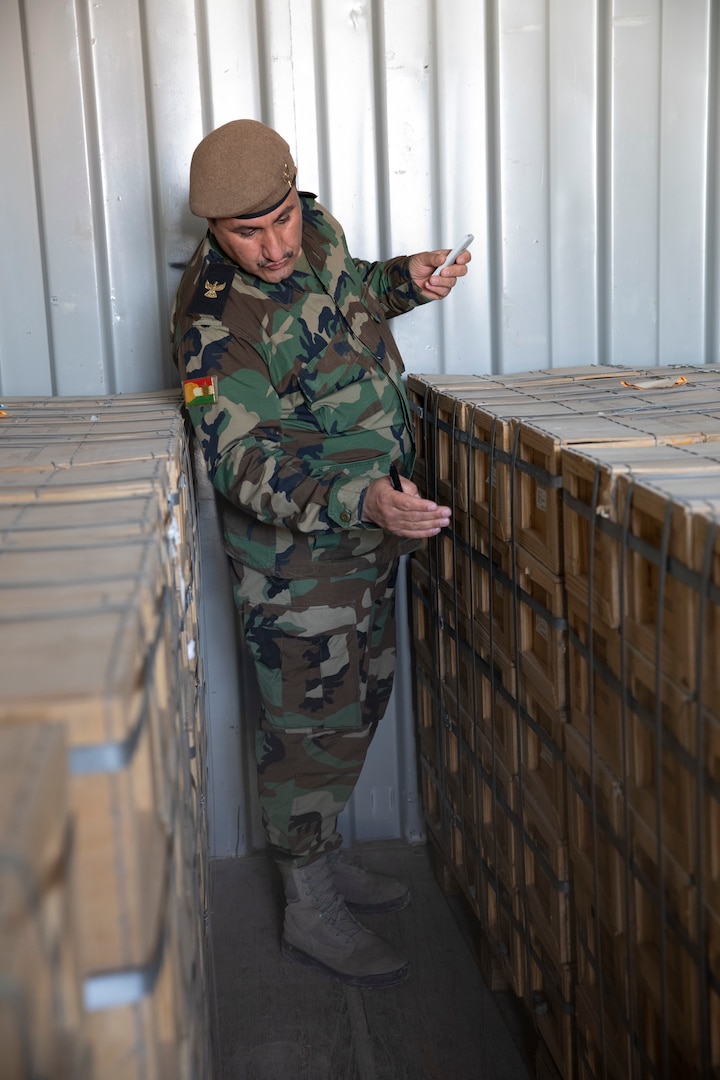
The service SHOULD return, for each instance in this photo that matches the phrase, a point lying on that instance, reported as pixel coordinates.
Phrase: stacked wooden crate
(567, 713)
(98, 647)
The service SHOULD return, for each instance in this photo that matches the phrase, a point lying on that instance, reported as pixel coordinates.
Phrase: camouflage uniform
(309, 408)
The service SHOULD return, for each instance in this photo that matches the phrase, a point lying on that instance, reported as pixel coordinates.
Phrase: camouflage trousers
(324, 654)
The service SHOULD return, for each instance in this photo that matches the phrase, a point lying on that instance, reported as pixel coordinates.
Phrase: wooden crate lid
(640, 460)
(696, 491)
(152, 400)
(554, 432)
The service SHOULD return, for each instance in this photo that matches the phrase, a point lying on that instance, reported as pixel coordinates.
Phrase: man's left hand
(403, 513)
(423, 270)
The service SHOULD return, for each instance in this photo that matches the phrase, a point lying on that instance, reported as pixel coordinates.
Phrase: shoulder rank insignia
(212, 291)
(200, 391)
(212, 288)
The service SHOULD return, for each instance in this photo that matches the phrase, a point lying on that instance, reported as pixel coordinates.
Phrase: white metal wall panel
(577, 139)
(572, 183)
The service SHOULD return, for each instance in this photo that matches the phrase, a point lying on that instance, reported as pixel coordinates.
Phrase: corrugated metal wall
(578, 140)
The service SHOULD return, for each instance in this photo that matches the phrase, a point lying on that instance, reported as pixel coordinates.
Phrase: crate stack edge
(98, 621)
(526, 684)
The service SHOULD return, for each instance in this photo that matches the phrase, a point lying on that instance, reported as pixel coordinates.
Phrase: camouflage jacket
(306, 404)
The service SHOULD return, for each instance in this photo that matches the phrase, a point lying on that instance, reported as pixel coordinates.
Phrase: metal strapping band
(112, 989)
(111, 757)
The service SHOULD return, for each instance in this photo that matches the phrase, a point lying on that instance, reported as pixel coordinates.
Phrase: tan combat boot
(363, 891)
(321, 933)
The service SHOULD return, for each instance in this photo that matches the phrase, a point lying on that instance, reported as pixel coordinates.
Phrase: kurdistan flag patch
(200, 391)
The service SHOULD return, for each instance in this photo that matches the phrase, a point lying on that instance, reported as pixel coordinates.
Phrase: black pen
(395, 478)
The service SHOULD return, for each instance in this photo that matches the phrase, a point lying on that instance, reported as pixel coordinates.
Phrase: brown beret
(242, 169)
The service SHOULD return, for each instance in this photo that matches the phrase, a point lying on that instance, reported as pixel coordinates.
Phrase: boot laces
(330, 904)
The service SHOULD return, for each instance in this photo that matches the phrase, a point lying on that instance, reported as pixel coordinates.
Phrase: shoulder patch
(213, 289)
(201, 390)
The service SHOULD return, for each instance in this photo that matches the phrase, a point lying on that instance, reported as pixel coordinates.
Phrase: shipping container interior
(580, 143)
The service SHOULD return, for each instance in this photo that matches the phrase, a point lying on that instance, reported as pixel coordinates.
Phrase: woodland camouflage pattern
(325, 672)
(311, 405)
(310, 408)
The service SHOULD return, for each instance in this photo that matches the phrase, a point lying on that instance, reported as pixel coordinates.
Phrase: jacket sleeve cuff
(346, 501)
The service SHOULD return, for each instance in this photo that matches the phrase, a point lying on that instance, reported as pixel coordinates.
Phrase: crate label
(541, 498)
(541, 627)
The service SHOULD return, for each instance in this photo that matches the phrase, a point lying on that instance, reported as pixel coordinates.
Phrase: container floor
(275, 1020)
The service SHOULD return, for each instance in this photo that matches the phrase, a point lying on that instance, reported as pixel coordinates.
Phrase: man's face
(266, 246)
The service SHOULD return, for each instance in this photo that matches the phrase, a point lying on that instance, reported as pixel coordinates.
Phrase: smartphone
(462, 246)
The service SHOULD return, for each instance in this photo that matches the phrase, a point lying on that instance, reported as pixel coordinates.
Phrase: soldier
(293, 384)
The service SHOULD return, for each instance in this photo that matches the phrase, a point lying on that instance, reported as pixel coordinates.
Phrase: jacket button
(345, 516)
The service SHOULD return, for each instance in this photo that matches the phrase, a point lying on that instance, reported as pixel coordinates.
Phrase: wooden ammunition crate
(593, 518)
(427, 713)
(78, 444)
(493, 425)
(82, 524)
(501, 821)
(596, 700)
(488, 469)
(706, 564)
(424, 612)
(456, 569)
(95, 679)
(498, 715)
(673, 756)
(661, 603)
(550, 999)
(98, 634)
(122, 479)
(542, 629)
(537, 463)
(603, 963)
(505, 929)
(50, 581)
(467, 789)
(457, 710)
(449, 481)
(458, 641)
(577, 605)
(143, 1025)
(423, 395)
(455, 668)
(603, 1042)
(545, 882)
(42, 1030)
(676, 1012)
(492, 595)
(542, 756)
(599, 847)
(443, 819)
(661, 881)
